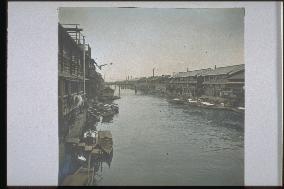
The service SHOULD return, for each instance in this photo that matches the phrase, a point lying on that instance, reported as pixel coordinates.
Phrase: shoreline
(182, 101)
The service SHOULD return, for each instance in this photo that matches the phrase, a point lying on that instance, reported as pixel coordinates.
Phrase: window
(65, 86)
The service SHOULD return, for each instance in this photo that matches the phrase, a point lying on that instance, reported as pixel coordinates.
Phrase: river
(159, 143)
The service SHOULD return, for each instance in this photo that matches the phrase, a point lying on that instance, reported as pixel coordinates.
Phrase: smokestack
(153, 72)
(187, 69)
(215, 67)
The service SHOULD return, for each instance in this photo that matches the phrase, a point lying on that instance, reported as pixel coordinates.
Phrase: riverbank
(84, 147)
(207, 102)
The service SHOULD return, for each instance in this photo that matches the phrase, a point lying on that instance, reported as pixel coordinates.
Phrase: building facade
(225, 82)
(77, 76)
(187, 84)
(222, 84)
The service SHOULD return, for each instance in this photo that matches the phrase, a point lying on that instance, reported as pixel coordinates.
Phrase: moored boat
(177, 101)
(192, 102)
(105, 141)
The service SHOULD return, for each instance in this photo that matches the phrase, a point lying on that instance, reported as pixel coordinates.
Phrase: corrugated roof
(225, 70)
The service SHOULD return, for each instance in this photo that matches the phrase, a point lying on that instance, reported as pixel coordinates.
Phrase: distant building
(187, 84)
(222, 84)
(226, 82)
(235, 87)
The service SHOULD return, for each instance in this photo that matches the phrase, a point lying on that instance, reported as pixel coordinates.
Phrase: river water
(159, 143)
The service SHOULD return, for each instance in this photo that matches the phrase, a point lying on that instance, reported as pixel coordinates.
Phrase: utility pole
(84, 71)
(153, 72)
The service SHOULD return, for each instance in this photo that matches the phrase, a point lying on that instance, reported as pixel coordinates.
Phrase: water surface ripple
(158, 143)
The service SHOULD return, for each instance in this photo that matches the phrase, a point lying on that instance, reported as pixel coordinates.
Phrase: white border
(32, 137)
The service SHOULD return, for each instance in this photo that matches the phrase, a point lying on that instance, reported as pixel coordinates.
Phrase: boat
(240, 109)
(104, 140)
(115, 108)
(176, 101)
(107, 113)
(192, 102)
(79, 178)
(107, 94)
(207, 104)
(115, 97)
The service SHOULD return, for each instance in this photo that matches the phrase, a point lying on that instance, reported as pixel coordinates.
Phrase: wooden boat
(107, 113)
(79, 178)
(176, 101)
(115, 108)
(192, 102)
(104, 140)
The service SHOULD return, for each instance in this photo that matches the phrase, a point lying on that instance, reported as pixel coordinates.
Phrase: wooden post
(101, 166)
(89, 162)
(93, 175)
(119, 90)
(76, 35)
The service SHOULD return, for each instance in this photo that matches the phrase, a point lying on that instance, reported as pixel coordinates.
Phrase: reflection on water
(158, 143)
(97, 166)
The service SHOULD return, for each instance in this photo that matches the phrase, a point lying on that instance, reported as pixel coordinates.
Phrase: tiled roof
(192, 73)
(226, 70)
(239, 75)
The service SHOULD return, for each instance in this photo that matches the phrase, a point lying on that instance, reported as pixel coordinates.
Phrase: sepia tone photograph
(151, 96)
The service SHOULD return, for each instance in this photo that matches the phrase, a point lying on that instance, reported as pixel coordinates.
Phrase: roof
(108, 89)
(159, 77)
(226, 70)
(237, 75)
(192, 73)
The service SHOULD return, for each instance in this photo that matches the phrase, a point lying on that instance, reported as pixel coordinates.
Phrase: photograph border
(262, 41)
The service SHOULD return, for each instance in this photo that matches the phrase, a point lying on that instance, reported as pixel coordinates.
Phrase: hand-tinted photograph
(151, 96)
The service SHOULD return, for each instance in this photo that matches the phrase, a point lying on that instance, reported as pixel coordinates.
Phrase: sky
(136, 40)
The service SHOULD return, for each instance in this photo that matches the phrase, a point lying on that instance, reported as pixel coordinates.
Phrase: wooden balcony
(69, 68)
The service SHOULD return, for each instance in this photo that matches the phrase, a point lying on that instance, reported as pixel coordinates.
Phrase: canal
(159, 143)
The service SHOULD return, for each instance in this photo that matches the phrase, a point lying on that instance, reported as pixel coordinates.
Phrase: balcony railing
(69, 67)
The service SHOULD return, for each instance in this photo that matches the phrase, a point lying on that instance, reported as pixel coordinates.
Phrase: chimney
(215, 67)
